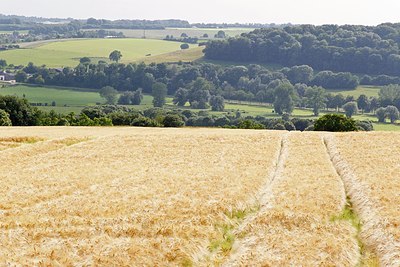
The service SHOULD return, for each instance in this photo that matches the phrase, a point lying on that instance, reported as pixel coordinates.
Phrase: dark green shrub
(365, 126)
(145, 122)
(250, 124)
(335, 123)
(184, 46)
(289, 126)
(172, 120)
(279, 126)
(301, 124)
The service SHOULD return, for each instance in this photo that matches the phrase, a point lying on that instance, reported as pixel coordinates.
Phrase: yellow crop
(197, 197)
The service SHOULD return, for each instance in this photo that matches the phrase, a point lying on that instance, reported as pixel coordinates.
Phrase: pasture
(370, 91)
(134, 196)
(75, 99)
(68, 52)
(67, 99)
(177, 32)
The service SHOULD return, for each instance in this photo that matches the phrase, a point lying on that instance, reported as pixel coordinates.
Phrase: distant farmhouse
(7, 77)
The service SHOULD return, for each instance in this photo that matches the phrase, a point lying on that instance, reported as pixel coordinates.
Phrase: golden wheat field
(198, 197)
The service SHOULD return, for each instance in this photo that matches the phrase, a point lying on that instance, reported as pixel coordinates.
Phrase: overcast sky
(367, 12)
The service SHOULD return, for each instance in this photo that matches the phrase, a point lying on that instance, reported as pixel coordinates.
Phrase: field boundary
(372, 226)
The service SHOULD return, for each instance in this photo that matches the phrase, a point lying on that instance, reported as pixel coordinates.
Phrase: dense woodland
(348, 48)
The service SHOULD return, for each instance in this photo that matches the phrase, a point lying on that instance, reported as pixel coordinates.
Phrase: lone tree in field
(199, 94)
(392, 113)
(220, 34)
(109, 94)
(115, 56)
(316, 98)
(381, 114)
(137, 97)
(159, 93)
(217, 103)
(181, 97)
(363, 103)
(284, 96)
(184, 46)
(350, 109)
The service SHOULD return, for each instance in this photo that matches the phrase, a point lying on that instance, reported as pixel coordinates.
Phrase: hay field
(125, 196)
(197, 197)
(296, 224)
(68, 52)
(372, 166)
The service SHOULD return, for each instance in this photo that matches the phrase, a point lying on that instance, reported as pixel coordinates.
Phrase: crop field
(372, 171)
(201, 197)
(68, 52)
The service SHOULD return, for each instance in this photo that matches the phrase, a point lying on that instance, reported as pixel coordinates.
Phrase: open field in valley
(360, 90)
(67, 99)
(68, 52)
(75, 99)
(141, 196)
(176, 32)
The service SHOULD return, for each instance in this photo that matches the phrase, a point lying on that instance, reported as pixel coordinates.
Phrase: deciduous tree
(115, 56)
(159, 93)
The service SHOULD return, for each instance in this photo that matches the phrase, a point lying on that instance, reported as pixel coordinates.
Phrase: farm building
(7, 77)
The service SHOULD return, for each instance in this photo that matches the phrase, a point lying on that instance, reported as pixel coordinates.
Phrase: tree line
(207, 85)
(348, 48)
(16, 111)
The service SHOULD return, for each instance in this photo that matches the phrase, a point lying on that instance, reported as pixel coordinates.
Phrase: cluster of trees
(251, 83)
(238, 25)
(45, 33)
(184, 39)
(10, 39)
(205, 85)
(347, 48)
(93, 23)
(17, 112)
(379, 80)
(390, 112)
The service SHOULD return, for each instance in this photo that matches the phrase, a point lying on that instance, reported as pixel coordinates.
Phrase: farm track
(291, 228)
(206, 258)
(373, 232)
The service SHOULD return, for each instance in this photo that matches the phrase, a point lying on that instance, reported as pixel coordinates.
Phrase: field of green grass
(68, 52)
(67, 99)
(62, 96)
(176, 32)
(360, 90)
(75, 99)
(226, 63)
(9, 32)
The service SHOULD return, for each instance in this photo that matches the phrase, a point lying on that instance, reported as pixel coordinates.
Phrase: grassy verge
(367, 258)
